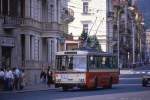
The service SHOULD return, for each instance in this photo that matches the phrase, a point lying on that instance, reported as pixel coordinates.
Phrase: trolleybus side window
(70, 62)
(114, 64)
(106, 62)
(110, 62)
(101, 62)
(93, 62)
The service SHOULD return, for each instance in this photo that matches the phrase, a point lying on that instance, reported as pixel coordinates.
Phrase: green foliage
(83, 36)
(95, 43)
(90, 41)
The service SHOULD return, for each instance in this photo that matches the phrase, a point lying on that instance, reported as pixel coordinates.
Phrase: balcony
(67, 15)
(9, 22)
(14, 22)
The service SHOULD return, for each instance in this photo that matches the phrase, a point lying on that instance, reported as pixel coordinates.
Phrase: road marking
(137, 72)
(129, 84)
(129, 78)
(143, 72)
(134, 72)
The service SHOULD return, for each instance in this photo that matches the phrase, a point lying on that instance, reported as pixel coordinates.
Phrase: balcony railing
(13, 22)
(67, 15)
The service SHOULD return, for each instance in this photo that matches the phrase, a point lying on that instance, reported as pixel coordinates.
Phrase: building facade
(128, 33)
(31, 31)
(148, 45)
(91, 16)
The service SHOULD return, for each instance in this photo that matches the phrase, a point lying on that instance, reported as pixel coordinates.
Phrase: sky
(144, 6)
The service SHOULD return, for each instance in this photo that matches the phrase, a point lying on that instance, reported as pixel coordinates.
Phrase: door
(6, 57)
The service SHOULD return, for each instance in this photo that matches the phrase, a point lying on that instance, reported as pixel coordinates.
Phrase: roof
(84, 51)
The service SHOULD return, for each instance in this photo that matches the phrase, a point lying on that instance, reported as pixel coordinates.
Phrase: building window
(85, 7)
(12, 7)
(85, 28)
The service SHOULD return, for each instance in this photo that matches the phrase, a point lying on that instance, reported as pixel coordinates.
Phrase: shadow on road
(59, 94)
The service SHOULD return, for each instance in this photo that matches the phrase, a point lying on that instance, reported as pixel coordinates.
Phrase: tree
(90, 41)
(84, 36)
(95, 43)
(84, 39)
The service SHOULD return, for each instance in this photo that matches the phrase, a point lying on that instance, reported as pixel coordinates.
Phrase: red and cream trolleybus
(85, 69)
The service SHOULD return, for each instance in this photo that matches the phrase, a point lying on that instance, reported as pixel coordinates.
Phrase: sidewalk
(31, 88)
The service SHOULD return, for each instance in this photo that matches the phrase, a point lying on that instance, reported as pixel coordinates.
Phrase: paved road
(130, 88)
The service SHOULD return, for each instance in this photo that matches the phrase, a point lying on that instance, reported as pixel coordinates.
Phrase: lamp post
(118, 37)
(133, 40)
(132, 9)
(141, 58)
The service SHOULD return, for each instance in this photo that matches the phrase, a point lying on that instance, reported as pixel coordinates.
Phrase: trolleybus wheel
(144, 83)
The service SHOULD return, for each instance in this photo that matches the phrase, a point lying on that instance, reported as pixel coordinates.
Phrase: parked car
(146, 79)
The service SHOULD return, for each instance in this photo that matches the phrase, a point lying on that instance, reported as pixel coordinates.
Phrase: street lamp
(141, 58)
(118, 37)
(133, 35)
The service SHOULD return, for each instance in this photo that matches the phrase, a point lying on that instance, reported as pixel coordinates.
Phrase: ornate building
(147, 46)
(31, 31)
(128, 32)
(91, 16)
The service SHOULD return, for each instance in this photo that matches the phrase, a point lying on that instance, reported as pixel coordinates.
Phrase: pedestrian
(2, 79)
(49, 77)
(8, 79)
(43, 76)
(22, 79)
(16, 73)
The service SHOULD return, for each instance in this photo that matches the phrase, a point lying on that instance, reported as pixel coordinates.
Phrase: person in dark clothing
(43, 76)
(2, 79)
(49, 77)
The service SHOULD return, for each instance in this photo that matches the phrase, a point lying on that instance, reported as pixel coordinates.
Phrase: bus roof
(83, 52)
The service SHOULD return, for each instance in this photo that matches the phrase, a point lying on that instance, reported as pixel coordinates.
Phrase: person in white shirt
(8, 79)
(17, 75)
(9, 74)
(2, 73)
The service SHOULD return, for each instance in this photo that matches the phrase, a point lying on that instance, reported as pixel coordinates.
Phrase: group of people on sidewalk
(11, 79)
(46, 76)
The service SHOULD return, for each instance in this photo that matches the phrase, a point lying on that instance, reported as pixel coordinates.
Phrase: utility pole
(133, 40)
(118, 37)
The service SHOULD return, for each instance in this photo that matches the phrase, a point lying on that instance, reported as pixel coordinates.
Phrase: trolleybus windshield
(71, 62)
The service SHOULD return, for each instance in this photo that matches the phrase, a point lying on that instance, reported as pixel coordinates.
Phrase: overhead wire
(85, 42)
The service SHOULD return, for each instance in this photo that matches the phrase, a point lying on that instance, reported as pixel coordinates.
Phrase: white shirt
(17, 72)
(2, 73)
(9, 74)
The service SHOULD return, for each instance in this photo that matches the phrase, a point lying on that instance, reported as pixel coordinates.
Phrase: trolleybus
(85, 69)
